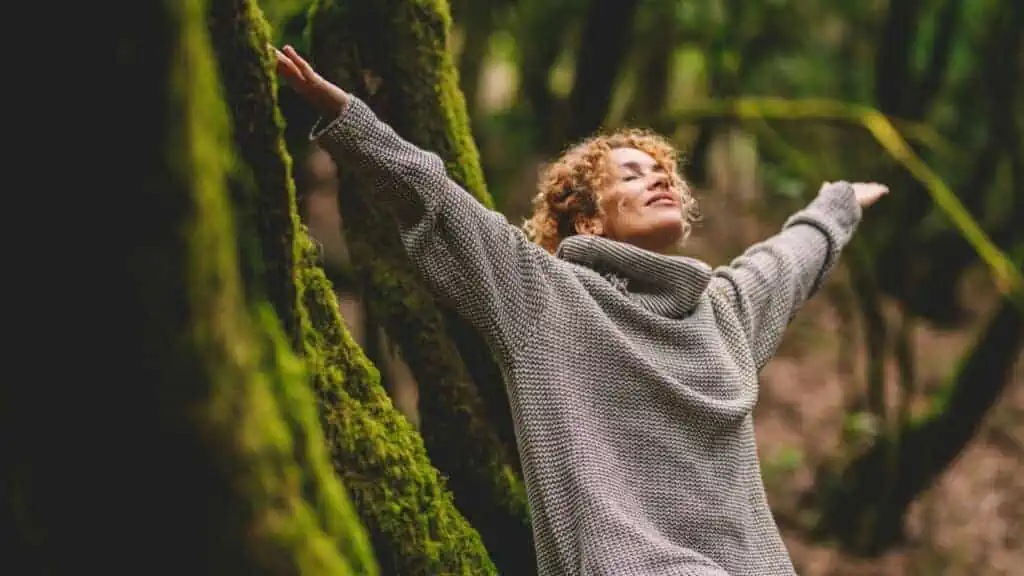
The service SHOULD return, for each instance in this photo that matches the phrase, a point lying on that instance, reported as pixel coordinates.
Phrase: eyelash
(631, 177)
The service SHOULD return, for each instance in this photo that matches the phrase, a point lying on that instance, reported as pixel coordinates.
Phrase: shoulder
(722, 299)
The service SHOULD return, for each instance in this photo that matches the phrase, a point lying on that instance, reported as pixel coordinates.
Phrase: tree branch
(1007, 276)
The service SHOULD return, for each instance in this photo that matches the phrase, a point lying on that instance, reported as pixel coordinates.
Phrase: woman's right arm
(470, 256)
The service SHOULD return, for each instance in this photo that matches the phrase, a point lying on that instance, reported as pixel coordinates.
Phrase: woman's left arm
(771, 280)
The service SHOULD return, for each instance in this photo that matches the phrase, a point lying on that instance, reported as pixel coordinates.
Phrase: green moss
(279, 13)
(263, 195)
(402, 498)
(393, 55)
(397, 491)
(176, 456)
(403, 43)
(245, 363)
(319, 485)
(262, 185)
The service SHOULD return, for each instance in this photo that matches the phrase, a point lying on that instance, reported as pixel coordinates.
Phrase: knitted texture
(632, 376)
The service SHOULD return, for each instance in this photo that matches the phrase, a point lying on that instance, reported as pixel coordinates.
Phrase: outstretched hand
(328, 99)
(868, 193)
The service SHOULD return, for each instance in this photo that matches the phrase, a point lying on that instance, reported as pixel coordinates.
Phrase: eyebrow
(636, 167)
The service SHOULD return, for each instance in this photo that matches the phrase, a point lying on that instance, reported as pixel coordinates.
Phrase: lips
(661, 198)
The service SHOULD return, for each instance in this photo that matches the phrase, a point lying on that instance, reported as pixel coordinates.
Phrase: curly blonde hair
(570, 187)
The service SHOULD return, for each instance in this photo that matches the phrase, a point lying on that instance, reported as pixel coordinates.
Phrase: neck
(656, 245)
(665, 284)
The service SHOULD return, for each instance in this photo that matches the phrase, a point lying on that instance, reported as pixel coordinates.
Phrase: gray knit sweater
(631, 375)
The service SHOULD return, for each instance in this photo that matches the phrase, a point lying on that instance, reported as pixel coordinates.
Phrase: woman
(632, 374)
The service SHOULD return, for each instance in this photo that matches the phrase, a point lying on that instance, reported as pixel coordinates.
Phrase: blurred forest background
(305, 407)
(891, 424)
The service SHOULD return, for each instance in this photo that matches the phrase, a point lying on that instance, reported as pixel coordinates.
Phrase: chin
(665, 234)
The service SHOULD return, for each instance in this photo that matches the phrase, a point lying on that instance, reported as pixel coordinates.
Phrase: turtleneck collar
(669, 286)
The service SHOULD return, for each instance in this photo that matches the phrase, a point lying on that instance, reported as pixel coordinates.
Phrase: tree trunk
(393, 55)
(477, 21)
(946, 255)
(261, 185)
(415, 526)
(658, 36)
(545, 24)
(198, 433)
(865, 501)
(402, 499)
(603, 48)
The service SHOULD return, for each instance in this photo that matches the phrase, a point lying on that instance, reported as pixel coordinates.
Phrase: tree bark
(261, 183)
(394, 56)
(402, 499)
(199, 433)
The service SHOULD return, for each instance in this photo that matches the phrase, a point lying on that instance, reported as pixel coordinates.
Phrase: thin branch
(805, 109)
(1007, 276)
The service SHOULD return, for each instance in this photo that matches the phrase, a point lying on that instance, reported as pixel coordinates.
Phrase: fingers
(873, 187)
(305, 69)
(323, 95)
(287, 68)
(868, 193)
(279, 55)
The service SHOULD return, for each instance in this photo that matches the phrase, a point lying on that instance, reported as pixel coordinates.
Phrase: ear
(591, 226)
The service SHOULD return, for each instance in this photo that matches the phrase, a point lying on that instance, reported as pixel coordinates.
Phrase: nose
(659, 181)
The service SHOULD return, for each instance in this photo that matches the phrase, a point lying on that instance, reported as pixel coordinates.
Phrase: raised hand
(868, 193)
(327, 98)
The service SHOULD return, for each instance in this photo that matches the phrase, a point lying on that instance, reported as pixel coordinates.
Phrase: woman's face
(641, 206)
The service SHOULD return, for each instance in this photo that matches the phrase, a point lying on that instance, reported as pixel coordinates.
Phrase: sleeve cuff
(835, 210)
(355, 119)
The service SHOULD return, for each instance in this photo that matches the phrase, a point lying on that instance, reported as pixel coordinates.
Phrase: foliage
(234, 426)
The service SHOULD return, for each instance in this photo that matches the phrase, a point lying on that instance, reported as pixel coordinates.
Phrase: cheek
(625, 199)
(611, 202)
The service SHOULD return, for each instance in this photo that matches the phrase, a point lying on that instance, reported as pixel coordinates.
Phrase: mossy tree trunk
(413, 524)
(261, 184)
(263, 197)
(393, 55)
(191, 414)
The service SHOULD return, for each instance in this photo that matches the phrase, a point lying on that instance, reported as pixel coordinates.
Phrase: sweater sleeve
(771, 280)
(471, 257)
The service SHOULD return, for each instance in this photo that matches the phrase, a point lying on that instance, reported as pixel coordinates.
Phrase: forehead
(631, 158)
